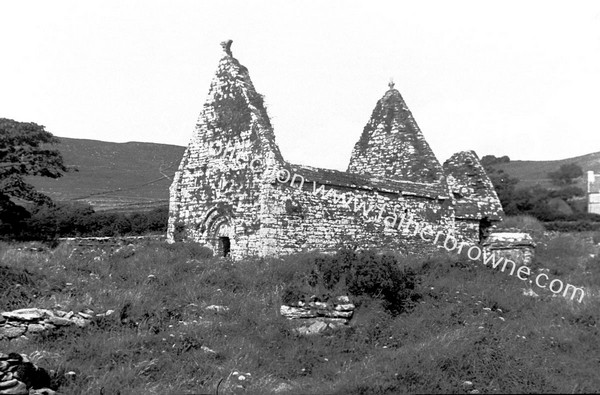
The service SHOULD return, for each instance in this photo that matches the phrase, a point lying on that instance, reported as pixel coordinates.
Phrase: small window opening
(225, 245)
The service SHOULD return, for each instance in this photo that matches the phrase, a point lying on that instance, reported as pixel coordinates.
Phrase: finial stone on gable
(227, 46)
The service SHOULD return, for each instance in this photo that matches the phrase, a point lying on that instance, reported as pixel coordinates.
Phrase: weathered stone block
(35, 328)
(11, 332)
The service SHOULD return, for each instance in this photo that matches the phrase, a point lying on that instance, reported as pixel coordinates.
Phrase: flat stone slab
(32, 314)
(296, 312)
(345, 307)
(60, 321)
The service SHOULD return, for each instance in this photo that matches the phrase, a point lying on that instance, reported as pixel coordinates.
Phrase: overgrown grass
(471, 323)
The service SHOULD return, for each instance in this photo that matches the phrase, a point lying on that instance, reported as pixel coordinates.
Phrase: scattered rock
(345, 307)
(35, 328)
(108, 312)
(18, 376)
(10, 332)
(313, 329)
(207, 350)
(282, 387)
(217, 309)
(43, 391)
(240, 381)
(8, 383)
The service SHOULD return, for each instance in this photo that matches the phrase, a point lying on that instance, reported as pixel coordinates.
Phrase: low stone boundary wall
(17, 323)
(513, 245)
(316, 317)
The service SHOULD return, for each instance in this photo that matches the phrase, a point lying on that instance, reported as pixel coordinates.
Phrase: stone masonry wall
(335, 216)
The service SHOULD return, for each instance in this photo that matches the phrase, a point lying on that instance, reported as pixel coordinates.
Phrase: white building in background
(593, 192)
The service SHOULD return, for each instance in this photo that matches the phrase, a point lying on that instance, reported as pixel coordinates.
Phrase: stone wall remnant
(511, 245)
(315, 317)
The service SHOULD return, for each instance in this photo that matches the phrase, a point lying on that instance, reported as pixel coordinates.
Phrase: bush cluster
(365, 275)
(540, 202)
(49, 222)
(572, 226)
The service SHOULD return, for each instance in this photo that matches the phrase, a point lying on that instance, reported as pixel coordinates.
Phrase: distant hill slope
(136, 176)
(114, 176)
(531, 172)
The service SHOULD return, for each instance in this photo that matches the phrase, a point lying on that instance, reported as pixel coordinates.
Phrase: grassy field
(532, 173)
(136, 176)
(113, 176)
(471, 329)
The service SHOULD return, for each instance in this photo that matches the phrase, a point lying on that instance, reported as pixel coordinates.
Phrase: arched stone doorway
(218, 233)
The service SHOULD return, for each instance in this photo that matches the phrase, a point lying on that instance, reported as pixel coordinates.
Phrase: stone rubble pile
(315, 317)
(18, 376)
(17, 323)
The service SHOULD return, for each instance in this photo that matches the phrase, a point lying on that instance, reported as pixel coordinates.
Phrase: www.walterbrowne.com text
(402, 223)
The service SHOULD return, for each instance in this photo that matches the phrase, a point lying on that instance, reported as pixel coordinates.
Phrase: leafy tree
(139, 223)
(565, 174)
(567, 192)
(158, 219)
(24, 152)
(504, 185)
(489, 160)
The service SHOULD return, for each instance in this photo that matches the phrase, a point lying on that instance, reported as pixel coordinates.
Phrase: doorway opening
(225, 246)
(484, 228)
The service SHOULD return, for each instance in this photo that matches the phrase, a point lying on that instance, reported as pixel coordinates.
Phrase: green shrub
(365, 275)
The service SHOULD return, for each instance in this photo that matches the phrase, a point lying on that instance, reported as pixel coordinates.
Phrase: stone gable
(392, 145)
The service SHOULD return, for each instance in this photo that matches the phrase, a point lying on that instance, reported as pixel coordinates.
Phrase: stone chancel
(235, 193)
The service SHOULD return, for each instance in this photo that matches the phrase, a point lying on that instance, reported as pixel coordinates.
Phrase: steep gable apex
(392, 145)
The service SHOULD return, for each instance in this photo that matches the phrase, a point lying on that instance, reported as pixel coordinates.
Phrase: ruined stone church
(235, 193)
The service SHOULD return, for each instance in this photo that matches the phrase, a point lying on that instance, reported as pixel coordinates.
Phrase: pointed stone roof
(392, 145)
(234, 111)
(471, 187)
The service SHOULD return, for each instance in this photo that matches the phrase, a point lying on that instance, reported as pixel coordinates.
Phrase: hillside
(135, 175)
(113, 176)
(531, 172)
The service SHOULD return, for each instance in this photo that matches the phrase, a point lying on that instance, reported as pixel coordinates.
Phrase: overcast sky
(517, 78)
